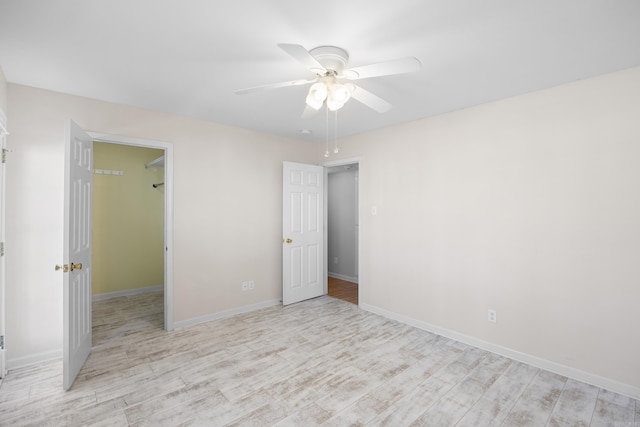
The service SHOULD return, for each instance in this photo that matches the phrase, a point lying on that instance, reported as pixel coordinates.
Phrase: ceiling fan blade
(397, 66)
(302, 55)
(370, 100)
(273, 86)
(308, 112)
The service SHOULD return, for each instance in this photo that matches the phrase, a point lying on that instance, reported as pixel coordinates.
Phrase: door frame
(168, 210)
(330, 164)
(3, 142)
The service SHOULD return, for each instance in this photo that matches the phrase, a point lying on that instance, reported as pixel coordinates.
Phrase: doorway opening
(343, 235)
(128, 226)
(144, 162)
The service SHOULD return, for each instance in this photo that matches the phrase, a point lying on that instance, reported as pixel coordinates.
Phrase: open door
(303, 233)
(77, 251)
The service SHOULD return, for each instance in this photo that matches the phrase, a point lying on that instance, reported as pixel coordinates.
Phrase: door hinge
(1, 342)
(4, 155)
(1, 248)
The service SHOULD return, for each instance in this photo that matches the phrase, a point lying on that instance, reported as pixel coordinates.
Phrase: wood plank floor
(341, 289)
(322, 361)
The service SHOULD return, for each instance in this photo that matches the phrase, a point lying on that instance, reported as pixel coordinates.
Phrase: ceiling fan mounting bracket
(332, 58)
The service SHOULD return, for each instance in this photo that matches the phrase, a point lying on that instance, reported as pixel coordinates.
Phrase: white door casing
(3, 133)
(77, 251)
(303, 232)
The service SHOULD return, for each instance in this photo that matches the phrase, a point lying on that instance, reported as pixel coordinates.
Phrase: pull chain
(326, 151)
(335, 148)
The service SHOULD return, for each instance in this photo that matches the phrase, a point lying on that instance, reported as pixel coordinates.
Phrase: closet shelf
(157, 162)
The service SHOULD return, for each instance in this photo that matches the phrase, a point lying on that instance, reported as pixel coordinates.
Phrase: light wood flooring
(341, 289)
(322, 361)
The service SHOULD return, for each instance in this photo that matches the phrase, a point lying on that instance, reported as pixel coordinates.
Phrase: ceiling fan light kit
(328, 89)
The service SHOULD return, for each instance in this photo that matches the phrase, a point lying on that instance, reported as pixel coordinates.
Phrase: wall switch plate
(245, 286)
(491, 317)
(251, 285)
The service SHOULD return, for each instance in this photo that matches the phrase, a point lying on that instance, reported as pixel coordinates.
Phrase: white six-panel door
(77, 252)
(302, 228)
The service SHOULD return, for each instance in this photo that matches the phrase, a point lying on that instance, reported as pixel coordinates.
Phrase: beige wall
(227, 210)
(529, 206)
(128, 219)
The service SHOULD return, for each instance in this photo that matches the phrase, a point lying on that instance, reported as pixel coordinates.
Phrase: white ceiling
(187, 57)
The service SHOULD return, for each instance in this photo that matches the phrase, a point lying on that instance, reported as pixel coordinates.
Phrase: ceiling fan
(333, 85)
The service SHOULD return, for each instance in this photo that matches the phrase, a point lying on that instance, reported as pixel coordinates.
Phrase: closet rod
(158, 184)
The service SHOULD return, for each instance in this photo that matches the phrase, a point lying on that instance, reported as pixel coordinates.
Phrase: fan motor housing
(331, 57)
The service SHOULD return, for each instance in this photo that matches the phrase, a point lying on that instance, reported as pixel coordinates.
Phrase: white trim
(529, 359)
(21, 362)
(227, 313)
(3, 180)
(3, 123)
(168, 211)
(342, 162)
(343, 277)
(128, 292)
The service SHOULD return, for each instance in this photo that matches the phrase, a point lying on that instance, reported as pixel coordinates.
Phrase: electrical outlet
(335, 260)
(491, 316)
(251, 285)
(245, 286)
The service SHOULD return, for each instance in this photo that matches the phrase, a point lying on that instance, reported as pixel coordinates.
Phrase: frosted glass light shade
(317, 95)
(340, 93)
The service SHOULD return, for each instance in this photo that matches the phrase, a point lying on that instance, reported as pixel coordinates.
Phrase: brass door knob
(288, 240)
(76, 266)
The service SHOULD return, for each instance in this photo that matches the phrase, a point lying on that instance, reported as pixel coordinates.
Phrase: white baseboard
(222, 314)
(343, 277)
(128, 292)
(57, 354)
(538, 362)
(21, 362)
